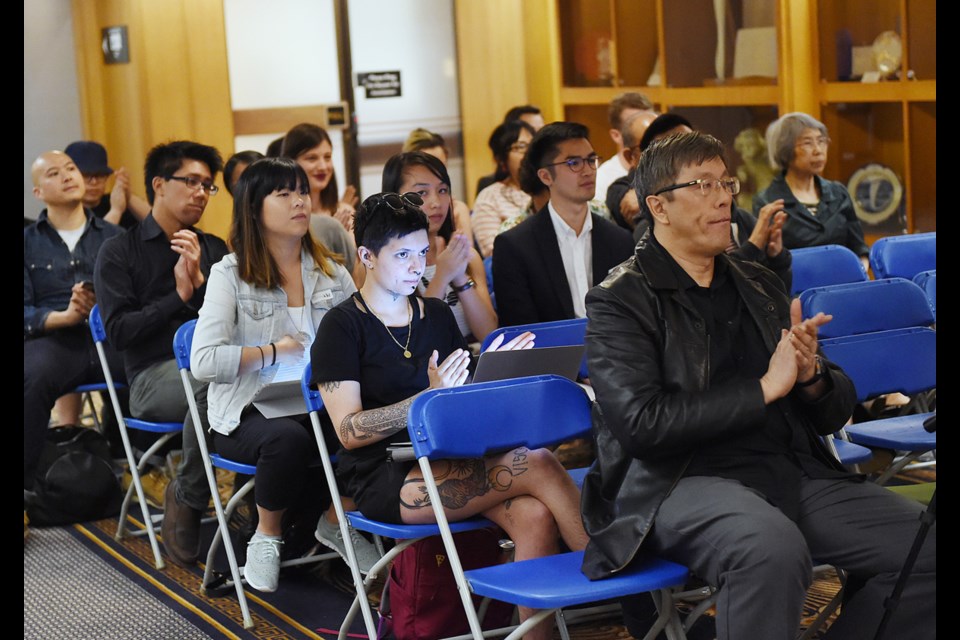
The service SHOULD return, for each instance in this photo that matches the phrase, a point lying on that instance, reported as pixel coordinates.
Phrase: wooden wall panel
(175, 87)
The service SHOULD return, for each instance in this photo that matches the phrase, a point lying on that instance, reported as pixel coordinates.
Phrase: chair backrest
(182, 340)
(904, 256)
(475, 419)
(899, 360)
(927, 280)
(824, 265)
(310, 395)
(96, 325)
(862, 307)
(557, 333)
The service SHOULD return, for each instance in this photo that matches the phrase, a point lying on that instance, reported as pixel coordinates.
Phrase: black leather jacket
(648, 356)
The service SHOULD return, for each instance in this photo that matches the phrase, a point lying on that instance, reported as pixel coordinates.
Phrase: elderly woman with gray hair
(819, 211)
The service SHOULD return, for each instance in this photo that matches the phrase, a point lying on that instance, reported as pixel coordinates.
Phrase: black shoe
(180, 529)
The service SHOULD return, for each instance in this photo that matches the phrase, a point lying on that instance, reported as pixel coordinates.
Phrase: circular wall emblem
(876, 191)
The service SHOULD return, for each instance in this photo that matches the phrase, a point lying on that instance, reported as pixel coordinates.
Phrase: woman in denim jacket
(262, 308)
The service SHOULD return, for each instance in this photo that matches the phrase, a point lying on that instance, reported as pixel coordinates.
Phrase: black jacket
(528, 275)
(836, 221)
(648, 356)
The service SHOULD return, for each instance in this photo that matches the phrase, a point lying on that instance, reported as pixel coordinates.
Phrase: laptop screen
(501, 365)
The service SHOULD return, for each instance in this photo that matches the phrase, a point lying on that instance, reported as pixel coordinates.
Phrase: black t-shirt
(127, 220)
(353, 345)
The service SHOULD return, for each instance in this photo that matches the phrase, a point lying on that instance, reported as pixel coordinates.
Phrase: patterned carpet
(80, 583)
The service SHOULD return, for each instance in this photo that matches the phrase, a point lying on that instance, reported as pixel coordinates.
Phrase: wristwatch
(817, 375)
(469, 284)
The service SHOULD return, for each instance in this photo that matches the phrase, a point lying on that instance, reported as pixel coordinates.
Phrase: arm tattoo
(330, 386)
(383, 422)
(459, 481)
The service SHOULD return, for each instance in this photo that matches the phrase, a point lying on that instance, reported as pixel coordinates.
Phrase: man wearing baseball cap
(119, 206)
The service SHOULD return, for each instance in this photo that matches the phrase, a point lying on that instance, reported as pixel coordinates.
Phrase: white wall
(51, 103)
(282, 54)
(416, 37)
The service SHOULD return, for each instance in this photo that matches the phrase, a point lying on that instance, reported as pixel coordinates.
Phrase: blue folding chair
(882, 362)
(182, 343)
(167, 431)
(904, 256)
(864, 307)
(927, 280)
(404, 534)
(557, 333)
(474, 420)
(823, 265)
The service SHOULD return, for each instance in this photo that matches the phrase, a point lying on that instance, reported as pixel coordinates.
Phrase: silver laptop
(501, 365)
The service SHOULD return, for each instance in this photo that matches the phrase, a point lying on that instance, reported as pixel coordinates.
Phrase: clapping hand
(523, 341)
(453, 258)
(452, 372)
(767, 235)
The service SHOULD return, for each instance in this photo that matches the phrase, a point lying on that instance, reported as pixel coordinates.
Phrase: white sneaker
(329, 534)
(262, 570)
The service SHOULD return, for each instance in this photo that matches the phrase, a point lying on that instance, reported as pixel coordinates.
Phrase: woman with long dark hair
(454, 270)
(263, 304)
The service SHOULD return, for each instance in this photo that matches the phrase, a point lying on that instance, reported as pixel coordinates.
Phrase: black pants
(734, 539)
(281, 448)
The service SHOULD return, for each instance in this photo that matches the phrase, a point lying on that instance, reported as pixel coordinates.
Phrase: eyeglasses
(576, 164)
(196, 183)
(707, 186)
(395, 201)
(810, 144)
(519, 146)
(94, 178)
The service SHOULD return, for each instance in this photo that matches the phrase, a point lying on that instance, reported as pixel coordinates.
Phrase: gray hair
(782, 137)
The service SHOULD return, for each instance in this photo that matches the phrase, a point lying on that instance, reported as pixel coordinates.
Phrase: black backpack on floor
(76, 480)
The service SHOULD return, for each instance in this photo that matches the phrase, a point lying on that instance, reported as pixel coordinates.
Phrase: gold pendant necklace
(405, 347)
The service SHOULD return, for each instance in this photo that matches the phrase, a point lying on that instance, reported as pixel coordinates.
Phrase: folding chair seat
(474, 420)
(882, 362)
(182, 341)
(904, 256)
(166, 431)
(823, 265)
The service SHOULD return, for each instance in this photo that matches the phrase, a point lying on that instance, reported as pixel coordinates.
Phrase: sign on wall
(380, 84)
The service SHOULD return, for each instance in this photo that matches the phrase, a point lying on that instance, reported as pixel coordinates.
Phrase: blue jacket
(836, 221)
(50, 270)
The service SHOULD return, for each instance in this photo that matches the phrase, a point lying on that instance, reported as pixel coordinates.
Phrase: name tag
(325, 296)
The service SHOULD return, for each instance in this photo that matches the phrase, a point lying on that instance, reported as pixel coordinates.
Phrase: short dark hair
(393, 178)
(166, 158)
(543, 148)
(523, 110)
(628, 100)
(502, 138)
(660, 125)
(302, 138)
(240, 157)
(256, 264)
(376, 222)
(663, 160)
(273, 149)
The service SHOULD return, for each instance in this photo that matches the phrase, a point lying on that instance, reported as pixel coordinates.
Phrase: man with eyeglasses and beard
(543, 267)
(712, 399)
(149, 281)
